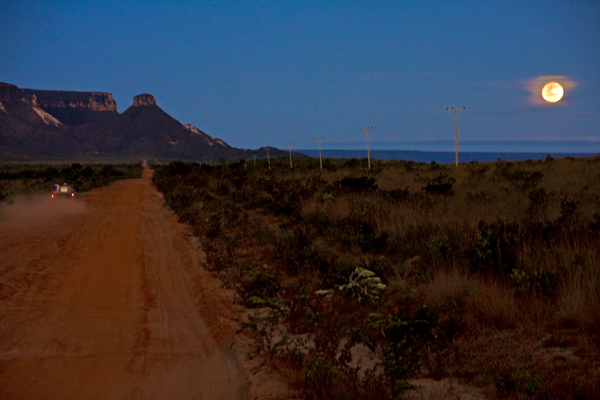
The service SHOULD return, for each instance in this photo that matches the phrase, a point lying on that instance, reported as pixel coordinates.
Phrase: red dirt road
(99, 300)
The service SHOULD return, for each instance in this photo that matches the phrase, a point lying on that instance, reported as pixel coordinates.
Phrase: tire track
(98, 304)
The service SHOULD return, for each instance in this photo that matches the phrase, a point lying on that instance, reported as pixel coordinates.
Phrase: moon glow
(552, 92)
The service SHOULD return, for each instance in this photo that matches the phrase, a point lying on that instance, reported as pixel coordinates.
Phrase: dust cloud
(38, 211)
(103, 299)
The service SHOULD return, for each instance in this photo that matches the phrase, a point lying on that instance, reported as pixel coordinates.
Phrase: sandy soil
(102, 298)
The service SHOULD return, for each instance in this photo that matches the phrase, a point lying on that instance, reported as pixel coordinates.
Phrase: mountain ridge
(47, 123)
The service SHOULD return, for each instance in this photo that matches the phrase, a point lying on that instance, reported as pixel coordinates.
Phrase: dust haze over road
(37, 210)
(99, 300)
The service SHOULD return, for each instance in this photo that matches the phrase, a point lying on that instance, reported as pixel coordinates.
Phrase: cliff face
(45, 99)
(11, 93)
(144, 99)
(198, 135)
(193, 129)
(69, 108)
(97, 101)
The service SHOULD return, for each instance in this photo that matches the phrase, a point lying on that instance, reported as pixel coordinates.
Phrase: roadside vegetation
(359, 280)
(30, 179)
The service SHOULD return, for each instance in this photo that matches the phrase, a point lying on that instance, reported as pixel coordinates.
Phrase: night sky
(257, 73)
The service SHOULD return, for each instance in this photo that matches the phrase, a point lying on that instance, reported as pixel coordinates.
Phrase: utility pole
(268, 159)
(367, 134)
(320, 160)
(289, 146)
(455, 130)
(254, 159)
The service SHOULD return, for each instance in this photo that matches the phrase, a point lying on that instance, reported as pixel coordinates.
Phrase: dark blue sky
(257, 73)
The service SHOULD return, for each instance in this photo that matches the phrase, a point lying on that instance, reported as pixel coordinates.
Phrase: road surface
(98, 301)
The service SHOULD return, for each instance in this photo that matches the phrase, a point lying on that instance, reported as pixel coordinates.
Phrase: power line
(432, 120)
(486, 112)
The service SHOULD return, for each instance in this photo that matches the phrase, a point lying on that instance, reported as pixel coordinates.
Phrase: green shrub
(496, 249)
(538, 202)
(441, 185)
(399, 195)
(362, 284)
(259, 284)
(541, 280)
(360, 184)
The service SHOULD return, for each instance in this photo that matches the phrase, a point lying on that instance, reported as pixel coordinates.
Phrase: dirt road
(98, 301)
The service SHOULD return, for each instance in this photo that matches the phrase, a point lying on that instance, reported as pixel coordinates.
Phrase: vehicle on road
(64, 191)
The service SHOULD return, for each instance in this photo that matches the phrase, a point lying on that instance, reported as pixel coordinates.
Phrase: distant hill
(61, 124)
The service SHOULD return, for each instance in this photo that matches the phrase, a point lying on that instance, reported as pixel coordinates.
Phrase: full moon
(552, 92)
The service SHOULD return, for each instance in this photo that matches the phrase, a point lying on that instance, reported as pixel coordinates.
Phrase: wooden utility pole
(320, 160)
(268, 159)
(456, 110)
(254, 159)
(367, 134)
(289, 146)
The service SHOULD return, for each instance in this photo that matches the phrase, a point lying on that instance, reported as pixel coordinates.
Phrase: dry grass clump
(485, 301)
(340, 208)
(451, 284)
(578, 299)
(494, 303)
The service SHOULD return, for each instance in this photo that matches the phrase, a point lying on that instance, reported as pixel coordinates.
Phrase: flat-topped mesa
(48, 99)
(143, 99)
(97, 101)
(59, 106)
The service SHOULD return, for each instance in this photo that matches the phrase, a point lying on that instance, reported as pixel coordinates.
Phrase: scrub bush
(346, 258)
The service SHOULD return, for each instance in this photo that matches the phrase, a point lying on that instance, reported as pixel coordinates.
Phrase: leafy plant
(258, 285)
(400, 343)
(541, 280)
(519, 381)
(496, 247)
(362, 283)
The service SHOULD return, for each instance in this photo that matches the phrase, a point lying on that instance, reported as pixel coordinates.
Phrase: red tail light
(52, 196)
(72, 194)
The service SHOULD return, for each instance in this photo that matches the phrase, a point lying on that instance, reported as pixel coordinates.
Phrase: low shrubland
(31, 179)
(360, 280)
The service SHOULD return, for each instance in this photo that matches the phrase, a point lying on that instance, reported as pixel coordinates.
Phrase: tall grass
(503, 246)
